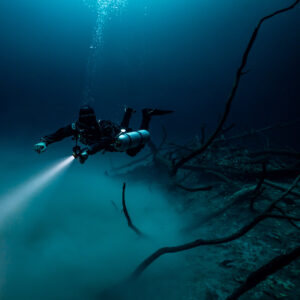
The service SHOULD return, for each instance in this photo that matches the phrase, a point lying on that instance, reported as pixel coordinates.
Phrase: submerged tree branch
(200, 242)
(239, 74)
(280, 187)
(263, 272)
(130, 224)
(198, 189)
(148, 261)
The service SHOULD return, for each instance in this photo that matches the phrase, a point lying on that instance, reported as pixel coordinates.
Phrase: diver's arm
(59, 135)
(52, 138)
(104, 143)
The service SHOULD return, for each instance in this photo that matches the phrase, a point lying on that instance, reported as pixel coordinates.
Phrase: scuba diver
(98, 135)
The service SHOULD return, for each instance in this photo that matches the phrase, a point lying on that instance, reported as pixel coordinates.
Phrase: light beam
(19, 196)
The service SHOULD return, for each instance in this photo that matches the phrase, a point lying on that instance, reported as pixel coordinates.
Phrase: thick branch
(232, 94)
(134, 228)
(262, 273)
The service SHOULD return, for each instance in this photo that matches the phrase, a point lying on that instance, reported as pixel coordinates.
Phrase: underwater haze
(63, 232)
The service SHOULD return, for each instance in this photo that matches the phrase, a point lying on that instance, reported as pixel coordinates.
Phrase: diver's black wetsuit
(97, 135)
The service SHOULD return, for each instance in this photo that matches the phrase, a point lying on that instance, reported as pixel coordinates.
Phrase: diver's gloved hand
(83, 156)
(40, 147)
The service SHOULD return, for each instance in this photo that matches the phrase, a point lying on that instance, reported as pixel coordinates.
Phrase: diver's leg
(126, 118)
(145, 120)
(148, 113)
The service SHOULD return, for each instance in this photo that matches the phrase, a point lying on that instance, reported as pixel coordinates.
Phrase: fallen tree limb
(130, 224)
(239, 74)
(200, 242)
(263, 272)
(188, 189)
(280, 187)
(148, 261)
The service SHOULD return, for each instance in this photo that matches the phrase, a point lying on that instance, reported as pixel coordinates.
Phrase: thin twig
(280, 187)
(115, 205)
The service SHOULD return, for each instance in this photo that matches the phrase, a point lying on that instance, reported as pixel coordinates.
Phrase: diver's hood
(87, 115)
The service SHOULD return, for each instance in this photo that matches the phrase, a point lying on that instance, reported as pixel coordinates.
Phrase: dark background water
(174, 54)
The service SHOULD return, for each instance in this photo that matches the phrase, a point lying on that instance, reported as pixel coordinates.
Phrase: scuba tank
(128, 140)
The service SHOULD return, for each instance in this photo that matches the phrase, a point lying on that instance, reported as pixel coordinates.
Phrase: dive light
(76, 151)
(80, 154)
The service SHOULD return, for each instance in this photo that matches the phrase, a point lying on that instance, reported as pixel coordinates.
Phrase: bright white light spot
(17, 198)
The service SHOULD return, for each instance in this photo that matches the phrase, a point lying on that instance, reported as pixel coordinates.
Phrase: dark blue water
(171, 54)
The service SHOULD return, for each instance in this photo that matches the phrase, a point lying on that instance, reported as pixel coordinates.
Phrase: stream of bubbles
(104, 9)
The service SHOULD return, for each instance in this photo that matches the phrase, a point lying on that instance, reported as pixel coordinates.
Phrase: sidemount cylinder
(129, 140)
